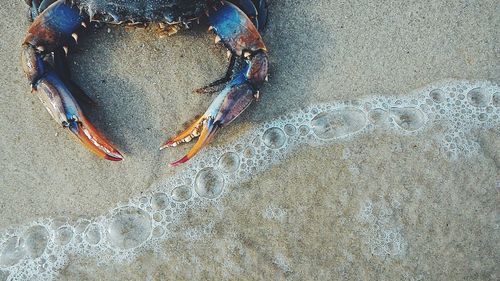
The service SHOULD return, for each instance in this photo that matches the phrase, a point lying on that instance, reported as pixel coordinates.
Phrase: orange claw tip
(93, 140)
(179, 162)
(117, 157)
(207, 134)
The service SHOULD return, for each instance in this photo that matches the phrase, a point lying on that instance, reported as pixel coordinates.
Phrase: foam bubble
(338, 123)
(478, 97)
(181, 193)
(408, 118)
(12, 252)
(93, 234)
(249, 152)
(209, 183)
(378, 116)
(4, 275)
(229, 162)
(482, 116)
(159, 201)
(274, 138)
(290, 129)
(81, 225)
(35, 240)
(128, 228)
(304, 130)
(437, 95)
(63, 235)
(157, 217)
(158, 231)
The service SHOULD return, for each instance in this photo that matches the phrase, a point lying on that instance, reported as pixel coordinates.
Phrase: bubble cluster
(40, 249)
(275, 213)
(382, 232)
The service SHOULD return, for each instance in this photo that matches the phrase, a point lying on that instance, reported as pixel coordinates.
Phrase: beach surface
(373, 205)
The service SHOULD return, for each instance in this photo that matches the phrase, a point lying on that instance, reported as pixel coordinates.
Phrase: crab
(57, 23)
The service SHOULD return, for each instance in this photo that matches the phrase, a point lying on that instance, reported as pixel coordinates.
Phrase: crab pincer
(48, 36)
(246, 74)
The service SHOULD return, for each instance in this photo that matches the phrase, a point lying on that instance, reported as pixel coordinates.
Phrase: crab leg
(49, 33)
(249, 71)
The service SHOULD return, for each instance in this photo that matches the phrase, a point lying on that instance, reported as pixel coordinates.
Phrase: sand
(443, 212)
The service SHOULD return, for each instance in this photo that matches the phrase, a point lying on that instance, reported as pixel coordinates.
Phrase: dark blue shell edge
(144, 11)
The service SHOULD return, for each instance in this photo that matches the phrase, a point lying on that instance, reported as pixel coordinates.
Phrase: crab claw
(246, 75)
(205, 128)
(48, 34)
(228, 105)
(63, 107)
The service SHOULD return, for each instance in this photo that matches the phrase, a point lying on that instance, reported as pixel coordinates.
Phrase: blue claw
(248, 71)
(49, 33)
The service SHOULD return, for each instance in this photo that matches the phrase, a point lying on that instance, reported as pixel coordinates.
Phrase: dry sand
(324, 51)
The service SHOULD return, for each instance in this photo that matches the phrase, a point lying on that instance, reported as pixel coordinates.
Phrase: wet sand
(323, 52)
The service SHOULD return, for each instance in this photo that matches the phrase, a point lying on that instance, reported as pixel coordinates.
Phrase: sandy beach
(377, 205)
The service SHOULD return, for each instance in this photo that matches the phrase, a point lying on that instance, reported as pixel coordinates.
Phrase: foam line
(38, 250)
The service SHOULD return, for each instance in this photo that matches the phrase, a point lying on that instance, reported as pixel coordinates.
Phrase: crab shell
(144, 11)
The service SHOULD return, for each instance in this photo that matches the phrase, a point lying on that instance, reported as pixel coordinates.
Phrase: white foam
(381, 233)
(38, 250)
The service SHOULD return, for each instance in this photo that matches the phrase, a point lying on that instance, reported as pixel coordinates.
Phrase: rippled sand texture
(373, 154)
